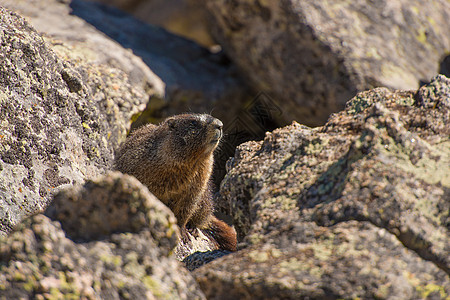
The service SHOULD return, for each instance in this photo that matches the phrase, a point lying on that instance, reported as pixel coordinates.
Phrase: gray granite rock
(312, 56)
(182, 17)
(108, 239)
(194, 78)
(61, 117)
(357, 208)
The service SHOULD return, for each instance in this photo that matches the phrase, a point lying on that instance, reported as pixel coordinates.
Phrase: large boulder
(312, 56)
(194, 78)
(107, 239)
(358, 208)
(61, 117)
(72, 38)
(182, 17)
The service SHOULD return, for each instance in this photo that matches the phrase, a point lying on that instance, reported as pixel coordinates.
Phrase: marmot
(174, 160)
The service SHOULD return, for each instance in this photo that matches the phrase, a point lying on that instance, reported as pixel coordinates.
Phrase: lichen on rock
(108, 239)
(60, 124)
(312, 56)
(334, 211)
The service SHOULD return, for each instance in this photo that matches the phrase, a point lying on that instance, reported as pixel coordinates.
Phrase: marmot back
(175, 160)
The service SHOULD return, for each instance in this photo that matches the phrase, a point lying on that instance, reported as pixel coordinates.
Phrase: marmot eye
(193, 124)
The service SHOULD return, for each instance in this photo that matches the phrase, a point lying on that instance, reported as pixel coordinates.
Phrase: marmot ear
(171, 123)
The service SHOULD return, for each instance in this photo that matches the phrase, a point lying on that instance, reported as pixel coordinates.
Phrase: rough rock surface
(194, 78)
(122, 247)
(312, 56)
(357, 208)
(88, 212)
(182, 17)
(61, 117)
(73, 38)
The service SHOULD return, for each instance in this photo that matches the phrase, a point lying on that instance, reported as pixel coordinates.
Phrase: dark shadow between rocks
(198, 259)
(444, 66)
(156, 46)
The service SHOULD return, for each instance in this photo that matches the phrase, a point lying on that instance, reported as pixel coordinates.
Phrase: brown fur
(174, 160)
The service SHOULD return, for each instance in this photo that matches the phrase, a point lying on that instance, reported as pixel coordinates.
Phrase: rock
(357, 208)
(110, 204)
(122, 247)
(62, 117)
(72, 38)
(194, 78)
(197, 250)
(182, 17)
(312, 56)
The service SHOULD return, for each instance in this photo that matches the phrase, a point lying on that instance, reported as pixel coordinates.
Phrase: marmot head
(193, 135)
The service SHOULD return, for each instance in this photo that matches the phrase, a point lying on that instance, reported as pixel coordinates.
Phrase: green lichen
(436, 27)
(287, 203)
(254, 238)
(315, 146)
(116, 260)
(86, 126)
(43, 92)
(432, 168)
(425, 289)
(3, 97)
(427, 207)
(295, 265)
(323, 250)
(429, 288)
(325, 188)
(133, 267)
(275, 253)
(148, 115)
(155, 287)
(280, 202)
(422, 36)
(18, 276)
(382, 291)
(66, 289)
(292, 265)
(171, 229)
(358, 104)
(30, 285)
(258, 256)
(405, 99)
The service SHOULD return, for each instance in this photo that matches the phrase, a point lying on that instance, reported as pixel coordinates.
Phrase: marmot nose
(217, 124)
